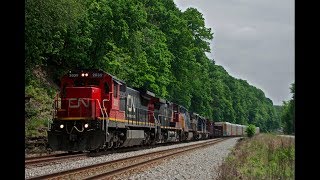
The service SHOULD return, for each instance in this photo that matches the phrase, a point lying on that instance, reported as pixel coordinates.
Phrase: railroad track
(51, 158)
(47, 159)
(109, 169)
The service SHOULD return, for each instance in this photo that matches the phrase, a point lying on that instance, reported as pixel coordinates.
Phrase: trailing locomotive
(96, 111)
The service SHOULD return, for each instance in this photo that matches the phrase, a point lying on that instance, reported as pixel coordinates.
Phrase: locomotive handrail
(55, 105)
(107, 123)
(100, 107)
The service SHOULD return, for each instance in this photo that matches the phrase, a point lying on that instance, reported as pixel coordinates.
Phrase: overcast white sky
(253, 40)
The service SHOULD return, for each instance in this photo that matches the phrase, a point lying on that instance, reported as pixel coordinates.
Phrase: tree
(149, 44)
(251, 130)
(46, 26)
(288, 113)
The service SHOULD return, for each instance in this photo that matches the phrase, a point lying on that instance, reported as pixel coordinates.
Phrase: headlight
(82, 74)
(61, 126)
(86, 74)
(86, 125)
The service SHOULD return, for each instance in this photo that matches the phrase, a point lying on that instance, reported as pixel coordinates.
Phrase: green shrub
(265, 156)
(251, 130)
(38, 110)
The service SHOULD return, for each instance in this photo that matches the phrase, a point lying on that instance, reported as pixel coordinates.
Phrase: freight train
(95, 111)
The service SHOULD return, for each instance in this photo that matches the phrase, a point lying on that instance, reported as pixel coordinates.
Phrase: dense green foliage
(288, 113)
(251, 130)
(265, 156)
(278, 109)
(38, 106)
(146, 43)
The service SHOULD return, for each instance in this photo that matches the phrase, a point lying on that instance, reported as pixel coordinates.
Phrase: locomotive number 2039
(96, 74)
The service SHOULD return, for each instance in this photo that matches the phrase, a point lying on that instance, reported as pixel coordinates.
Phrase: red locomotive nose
(80, 102)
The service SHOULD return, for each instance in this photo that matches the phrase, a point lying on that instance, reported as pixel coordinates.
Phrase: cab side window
(115, 93)
(64, 90)
(106, 88)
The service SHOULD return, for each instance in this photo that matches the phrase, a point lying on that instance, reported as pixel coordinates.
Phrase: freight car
(257, 130)
(97, 111)
(226, 129)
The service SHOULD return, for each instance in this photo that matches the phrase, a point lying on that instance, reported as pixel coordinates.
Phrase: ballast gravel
(200, 164)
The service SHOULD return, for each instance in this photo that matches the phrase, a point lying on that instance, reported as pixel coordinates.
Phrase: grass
(265, 156)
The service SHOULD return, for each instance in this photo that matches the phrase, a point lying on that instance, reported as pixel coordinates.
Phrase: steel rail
(92, 169)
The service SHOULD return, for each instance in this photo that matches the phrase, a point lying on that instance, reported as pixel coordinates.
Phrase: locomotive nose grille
(72, 127)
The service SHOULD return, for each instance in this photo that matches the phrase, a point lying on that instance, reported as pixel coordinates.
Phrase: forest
(149, 44)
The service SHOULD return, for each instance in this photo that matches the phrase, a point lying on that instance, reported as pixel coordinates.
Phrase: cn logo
(79, 101)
